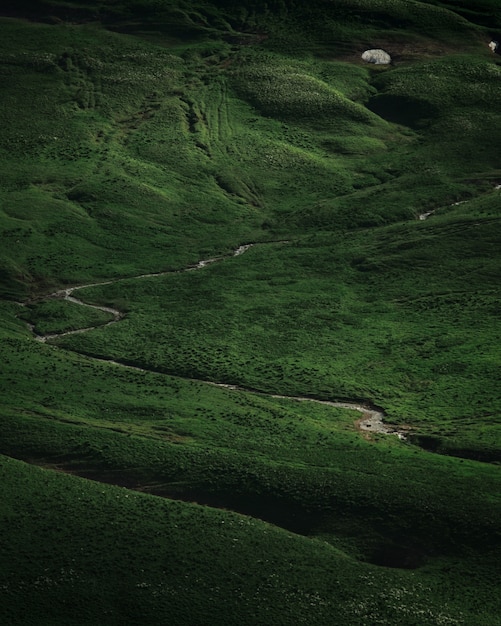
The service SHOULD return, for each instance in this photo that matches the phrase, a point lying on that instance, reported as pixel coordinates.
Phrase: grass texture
(141, 137)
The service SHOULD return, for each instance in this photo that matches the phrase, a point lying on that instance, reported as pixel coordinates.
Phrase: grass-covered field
(142, 137)
(365, 317)
(67, 535)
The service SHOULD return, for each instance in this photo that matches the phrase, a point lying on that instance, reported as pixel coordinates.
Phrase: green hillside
(229, 246)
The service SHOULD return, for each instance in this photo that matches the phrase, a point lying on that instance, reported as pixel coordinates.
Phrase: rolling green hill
(226, 239)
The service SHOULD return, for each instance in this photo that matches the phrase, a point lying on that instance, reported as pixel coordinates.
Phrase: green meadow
(171, 465)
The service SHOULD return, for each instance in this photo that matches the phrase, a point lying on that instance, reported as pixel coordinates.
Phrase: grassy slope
(210, 127)
(69, 178)
(406, 316)
(67, 535)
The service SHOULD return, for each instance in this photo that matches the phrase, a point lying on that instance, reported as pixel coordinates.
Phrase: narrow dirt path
(372, 420)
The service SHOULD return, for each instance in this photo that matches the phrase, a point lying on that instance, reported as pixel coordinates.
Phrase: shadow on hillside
(403, 110)
(294, 517)
(441, 445)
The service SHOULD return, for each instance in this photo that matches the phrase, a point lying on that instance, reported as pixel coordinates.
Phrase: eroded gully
(372, 420)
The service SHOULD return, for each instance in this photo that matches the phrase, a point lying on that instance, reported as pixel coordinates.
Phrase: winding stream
(372, 420)
(67, 294)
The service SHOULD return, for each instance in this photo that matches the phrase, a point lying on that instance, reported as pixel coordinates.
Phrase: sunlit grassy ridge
(407, 317)
(142, 136)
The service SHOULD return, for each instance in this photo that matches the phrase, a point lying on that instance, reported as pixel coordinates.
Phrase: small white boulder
(494, 45)
(376, 56)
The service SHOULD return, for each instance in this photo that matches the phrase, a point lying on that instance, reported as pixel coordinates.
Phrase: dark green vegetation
(59, 316)
(142, 136)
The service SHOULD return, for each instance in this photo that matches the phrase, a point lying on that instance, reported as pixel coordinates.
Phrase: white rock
(379, 57)
(493, 45)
